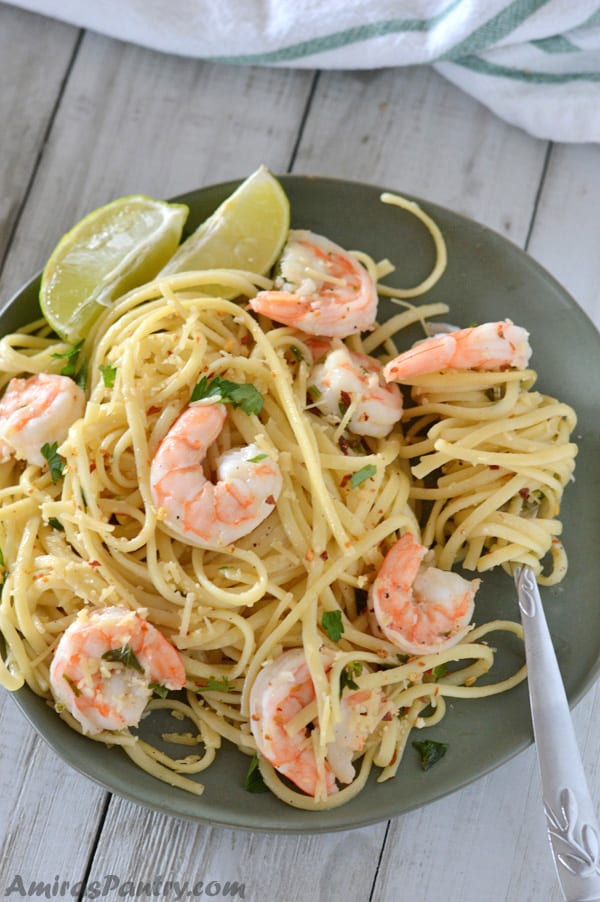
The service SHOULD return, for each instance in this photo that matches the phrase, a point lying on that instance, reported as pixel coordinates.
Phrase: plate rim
(574, 697)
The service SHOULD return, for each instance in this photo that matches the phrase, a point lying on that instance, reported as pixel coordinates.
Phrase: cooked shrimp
(104, 665)
(491, 346)
(36, 411)
(321, 289)
(282, 690)
(419, 608)
(361, 711)
(345, 378)
(203, 513)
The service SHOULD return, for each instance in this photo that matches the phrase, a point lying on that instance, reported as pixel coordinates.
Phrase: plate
(487, 278)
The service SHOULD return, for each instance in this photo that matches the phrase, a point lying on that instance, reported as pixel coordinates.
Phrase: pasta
(96, 538)
(499, 450)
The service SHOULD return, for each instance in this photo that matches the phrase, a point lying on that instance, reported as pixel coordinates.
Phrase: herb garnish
(436, 673)
(362, 475)
(70, 357)
(124, 655)
(243, 395)
(331, 621)
(254, 781)
(215, 685)
(56, 463)
(158, 689)
(80, 376)
(109, 373)
(354, 668)
(430, 752)
(55, 524)
(71, 367)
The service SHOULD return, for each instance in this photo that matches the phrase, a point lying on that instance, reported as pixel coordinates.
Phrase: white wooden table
(84, 119)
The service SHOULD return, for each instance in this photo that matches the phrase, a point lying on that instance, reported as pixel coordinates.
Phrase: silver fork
(570, 815)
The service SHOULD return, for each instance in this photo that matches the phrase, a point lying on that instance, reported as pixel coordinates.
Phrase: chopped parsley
(72, 366)
(354, 668)
(313, 393)
(331, 621)
(436, 673)
(243, 395)
(430, 752)
(80, 376)
(56, 463)
(56, 524)
(362, 475)
(109, 373)
(215, 685)
(255, 460)
(124, 655)
(70, 356)
(253, 781)
(158, 689)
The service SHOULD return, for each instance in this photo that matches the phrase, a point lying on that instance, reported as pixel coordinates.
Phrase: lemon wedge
(112, 250)
(247, 231)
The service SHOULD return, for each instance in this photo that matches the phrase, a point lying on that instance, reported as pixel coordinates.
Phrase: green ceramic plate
(487, 278)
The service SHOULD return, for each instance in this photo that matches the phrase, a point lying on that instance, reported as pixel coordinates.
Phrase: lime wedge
(112, 250)
(247, 231)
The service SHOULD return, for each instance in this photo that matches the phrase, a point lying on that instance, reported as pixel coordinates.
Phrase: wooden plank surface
(410, 130)
(134, 121)
(128, 120)
(35, 57)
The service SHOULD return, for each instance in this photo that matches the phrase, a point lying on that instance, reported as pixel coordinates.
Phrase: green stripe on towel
(339, 39)
(476, 64)
(556, 44)
(495, 29)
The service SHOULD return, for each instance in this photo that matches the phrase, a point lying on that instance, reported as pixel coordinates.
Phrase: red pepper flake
(346, 399)
(344, 444)
(94, 563)
(152, 410)
(524, 492)
(324, 556)
(494, 467)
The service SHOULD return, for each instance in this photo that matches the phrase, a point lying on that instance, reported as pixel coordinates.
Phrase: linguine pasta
(471, 452)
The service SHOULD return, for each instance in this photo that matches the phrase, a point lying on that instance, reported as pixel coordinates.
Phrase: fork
(570, 816)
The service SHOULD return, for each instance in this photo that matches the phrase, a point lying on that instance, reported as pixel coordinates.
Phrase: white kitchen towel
(535, 63)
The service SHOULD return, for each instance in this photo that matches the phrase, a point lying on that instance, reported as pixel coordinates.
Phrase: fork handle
(570, 815)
